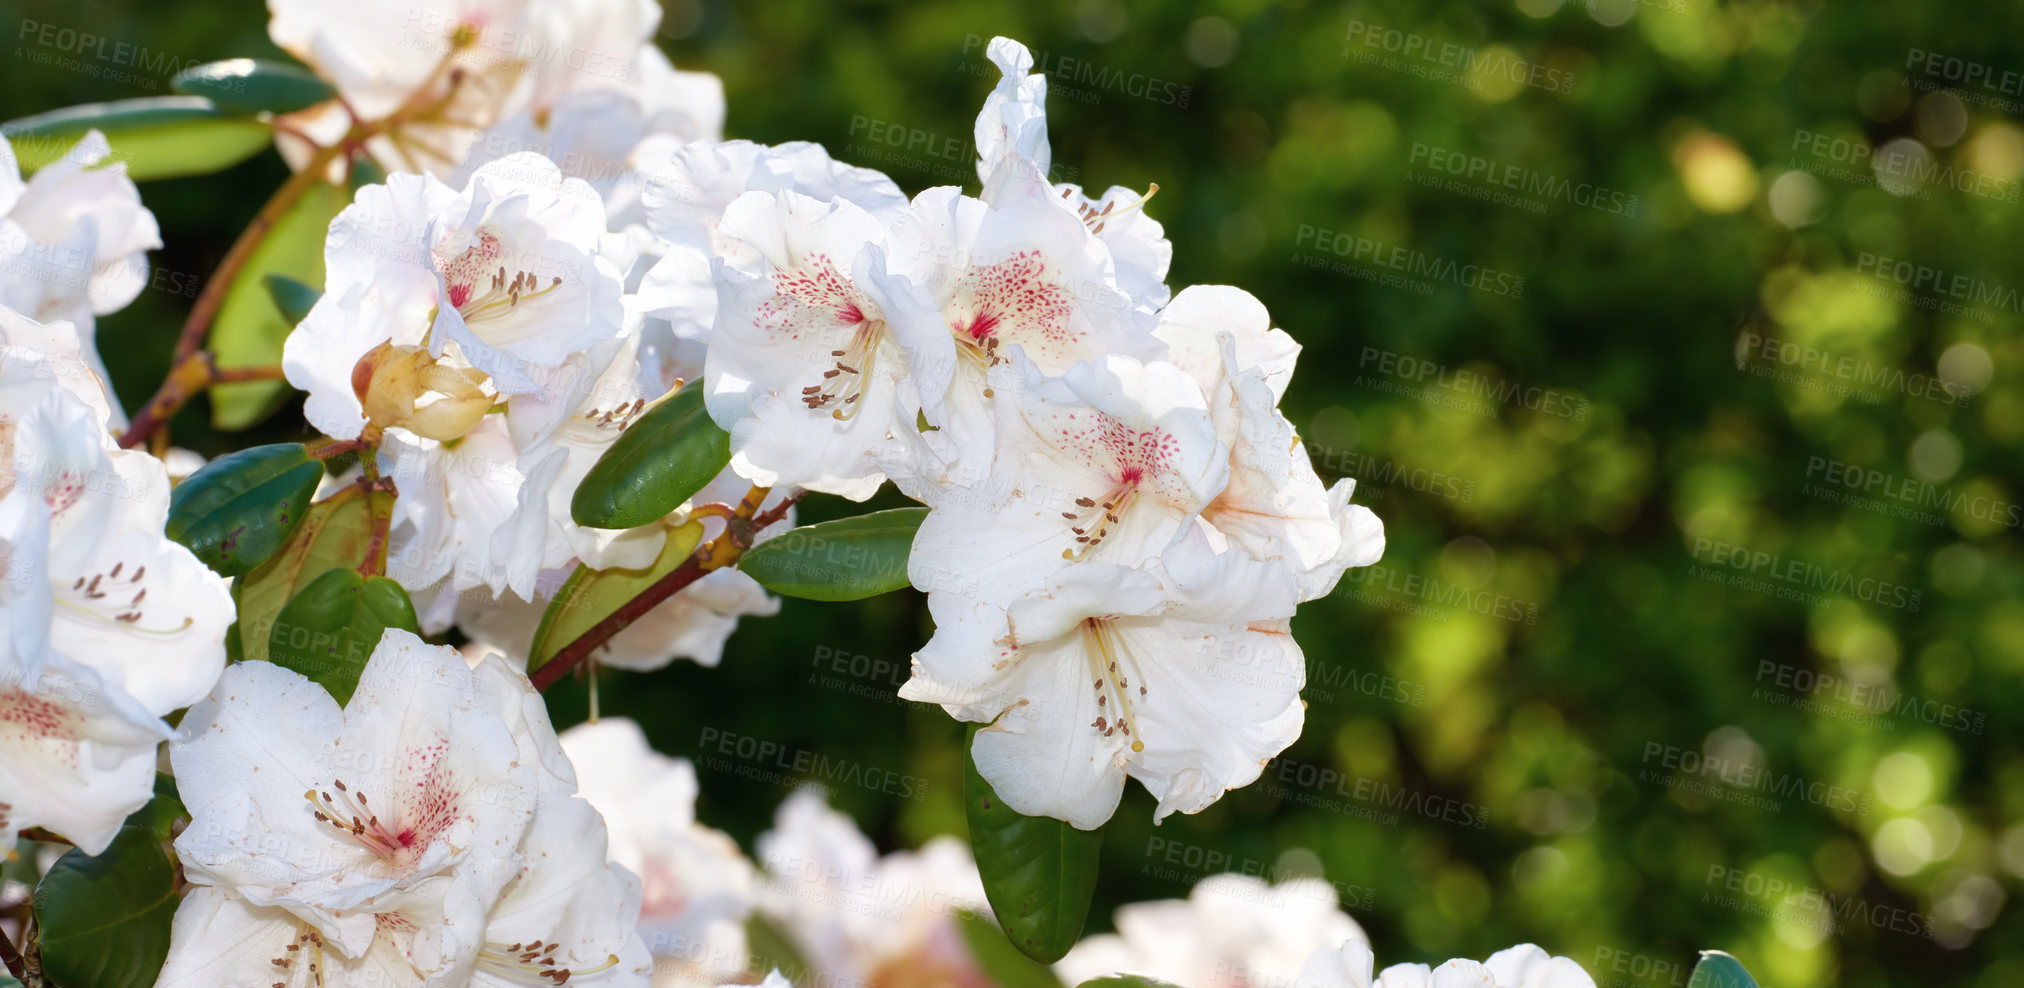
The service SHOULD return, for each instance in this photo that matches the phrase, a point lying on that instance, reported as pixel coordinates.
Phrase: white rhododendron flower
(1122, 521)
(1012, 127)
(424, 832)
(698, 887)
(1014, 162)
(1232, 930)
(1021, 274)
(443, 72)
(1523, 966)
(73, 243)
(1183, 675)
(685, 191)
(861, 919)
(110, 625)
(1274, 506)
(1109, 462)
(491, 508)
(822, 359)
(504, 277)
(455, 500)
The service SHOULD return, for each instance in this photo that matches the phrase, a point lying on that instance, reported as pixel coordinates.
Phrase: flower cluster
(1121, 522)
(466, 83)
(425, 833)
(110, 626)
(1120, 525)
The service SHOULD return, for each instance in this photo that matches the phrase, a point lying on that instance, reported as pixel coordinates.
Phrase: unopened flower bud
(404, 386)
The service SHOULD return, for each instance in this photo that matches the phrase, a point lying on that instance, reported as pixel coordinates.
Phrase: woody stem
(743, 526)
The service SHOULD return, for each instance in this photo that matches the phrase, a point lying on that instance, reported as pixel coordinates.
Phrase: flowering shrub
(568, 400)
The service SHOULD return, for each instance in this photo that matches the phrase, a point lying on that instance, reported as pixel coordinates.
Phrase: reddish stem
(741, 530)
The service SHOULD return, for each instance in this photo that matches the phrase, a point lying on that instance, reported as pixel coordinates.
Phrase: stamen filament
(843, 384)
(1113, 689)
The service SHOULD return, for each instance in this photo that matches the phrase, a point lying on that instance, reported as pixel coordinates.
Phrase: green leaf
(251, 323)
(329, 628)
(337, 534)
(240, 508)
(1720, 970)
(1003, 963)
(770, 950)
(663, 458)
(251, 85)
(1039, 872)
(157, 136)
(104, 920)
(1127, 981)
(162, 812)
(292, 298)
(847, 559)
(589, 596)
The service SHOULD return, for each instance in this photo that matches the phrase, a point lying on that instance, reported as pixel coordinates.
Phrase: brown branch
(16, 965)
(632, 610)
(241, 375)
(740, 532)
(189, 376)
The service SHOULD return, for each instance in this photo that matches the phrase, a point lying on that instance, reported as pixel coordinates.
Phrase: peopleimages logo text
(1523, 180)
(1417, 263)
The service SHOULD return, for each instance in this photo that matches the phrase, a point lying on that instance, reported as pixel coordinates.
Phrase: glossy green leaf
(337, 534)
(292, 298)
(1039, 872)
(252, 85)
(847, 559)
(999, 959)
(104, 920)
(252, 324)
(664, 457)
(589, 596)
(1720, 970)
(157, 136)
(329, 628)
(242, 507)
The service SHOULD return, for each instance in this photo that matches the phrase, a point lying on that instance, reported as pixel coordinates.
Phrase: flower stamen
(1095, 218)
(843, 384)
(348, 814)
(1113, 688)
(1092, 522)
(102, 597)
(533, 963)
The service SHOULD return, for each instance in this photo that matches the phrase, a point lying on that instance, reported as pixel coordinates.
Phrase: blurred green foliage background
(1544, 647)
